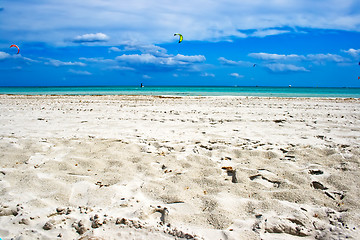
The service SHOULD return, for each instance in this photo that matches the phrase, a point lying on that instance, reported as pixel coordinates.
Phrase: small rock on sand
(24, 221)
(48, 225)
(7, 211)
(318, 185)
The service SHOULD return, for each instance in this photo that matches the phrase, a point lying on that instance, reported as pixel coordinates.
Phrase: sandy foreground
(143, 167)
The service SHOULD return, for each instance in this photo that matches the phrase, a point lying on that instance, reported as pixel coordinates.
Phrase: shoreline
(119, 166)
(191, 91)
(178, 96)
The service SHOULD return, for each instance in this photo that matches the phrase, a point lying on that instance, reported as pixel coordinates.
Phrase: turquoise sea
(188, 91)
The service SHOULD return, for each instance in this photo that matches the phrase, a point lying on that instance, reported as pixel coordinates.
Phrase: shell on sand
(228, 169)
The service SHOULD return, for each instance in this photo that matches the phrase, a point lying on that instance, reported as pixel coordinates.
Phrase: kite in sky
(16, 47)
(181, 37)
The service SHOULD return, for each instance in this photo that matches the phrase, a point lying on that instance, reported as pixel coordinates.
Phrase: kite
(16, 47)
(254, 65)
(358, 78)
(181, 37)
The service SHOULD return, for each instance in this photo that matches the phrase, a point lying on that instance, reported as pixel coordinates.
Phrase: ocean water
(188, 91)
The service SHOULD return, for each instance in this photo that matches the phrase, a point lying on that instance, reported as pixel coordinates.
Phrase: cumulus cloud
(355, 53)
(139, 58)
(114, 49)
(152, 62)
(151, 58)
(280, 67)
(236, 75)
(145, 48)
(189, 59)
(91, 38)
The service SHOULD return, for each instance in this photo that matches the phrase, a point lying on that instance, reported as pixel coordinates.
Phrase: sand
(144, 167)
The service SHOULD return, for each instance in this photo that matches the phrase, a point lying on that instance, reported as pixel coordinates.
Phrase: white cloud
(193, 59)
(23, 59)
(166, 61)
(272, 56)
(228, 62)
(17, 57)
(138, 58)
(91, 37)
(4, 55)
(145, 48)
(280, 63)
(78, 72)
(114, 49)
(316, 58)
(319, 58)
(236, 75)
(268, 32)
(58, 63)
(208, 75)
(121, 68)
(146, 76)
(280, 67)
(152, 58)
(97, 60)
(355, 53)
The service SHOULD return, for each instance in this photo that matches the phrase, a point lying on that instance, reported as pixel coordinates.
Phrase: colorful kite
(181, 37)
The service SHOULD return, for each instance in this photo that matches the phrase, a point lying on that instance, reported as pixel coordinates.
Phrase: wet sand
(144, 167)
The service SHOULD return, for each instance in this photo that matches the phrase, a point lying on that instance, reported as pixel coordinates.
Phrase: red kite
(16, 47)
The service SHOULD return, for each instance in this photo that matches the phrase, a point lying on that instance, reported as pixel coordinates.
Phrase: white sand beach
(145, 167)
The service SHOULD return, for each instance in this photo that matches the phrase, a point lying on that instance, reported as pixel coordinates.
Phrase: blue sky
(108, 42)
